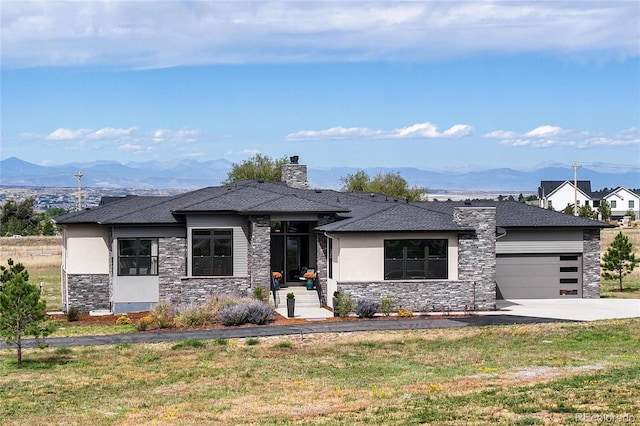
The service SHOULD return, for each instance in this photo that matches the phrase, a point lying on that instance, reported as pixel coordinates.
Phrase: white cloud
(111, 133)
(169, 33)
(62, 134)
(547, 136)
(416, 131)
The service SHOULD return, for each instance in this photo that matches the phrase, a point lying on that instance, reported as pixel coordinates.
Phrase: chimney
(294, 174)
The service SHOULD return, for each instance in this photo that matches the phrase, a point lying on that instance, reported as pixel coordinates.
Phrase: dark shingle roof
(355, 212)
(548, 186)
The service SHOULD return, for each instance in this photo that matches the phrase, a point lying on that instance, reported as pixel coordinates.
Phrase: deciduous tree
(391, 184)
(619, 260)
(258, 167)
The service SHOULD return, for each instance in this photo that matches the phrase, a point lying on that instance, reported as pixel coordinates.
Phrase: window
(415, 259)
(614, 204)
(631, 204)
(586, 203)
(549, 204)
(212, 252)
(138, 256)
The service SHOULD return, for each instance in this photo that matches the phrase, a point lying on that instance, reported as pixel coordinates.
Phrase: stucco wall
(566, 195)
(86, 249)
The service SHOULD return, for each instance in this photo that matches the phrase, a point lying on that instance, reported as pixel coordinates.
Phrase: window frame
(613, 204)
(632, 204)
(217, 258)
(435, 265)
(150, 261)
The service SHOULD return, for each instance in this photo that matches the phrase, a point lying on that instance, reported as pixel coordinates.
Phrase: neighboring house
(557, 194)
(132, 252)
(622, 200)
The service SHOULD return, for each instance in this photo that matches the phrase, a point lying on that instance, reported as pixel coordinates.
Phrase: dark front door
(290, 249)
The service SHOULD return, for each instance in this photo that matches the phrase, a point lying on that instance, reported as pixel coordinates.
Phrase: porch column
(260, 255)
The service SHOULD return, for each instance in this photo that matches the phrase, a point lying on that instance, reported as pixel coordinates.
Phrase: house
(558, 194)
(621, 201)
(129, 253)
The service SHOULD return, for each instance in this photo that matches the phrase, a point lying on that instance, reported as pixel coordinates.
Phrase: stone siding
(260, 252)
(477, 253)
(419, 296)
(295, 175)
(591, 264)
(172, 266)
(197, 290)
(88, 292)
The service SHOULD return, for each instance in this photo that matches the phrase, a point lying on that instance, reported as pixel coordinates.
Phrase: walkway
(307, 305)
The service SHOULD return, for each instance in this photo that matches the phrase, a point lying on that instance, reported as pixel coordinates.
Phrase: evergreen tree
(21, 310)
(619, 260)
(605, 210)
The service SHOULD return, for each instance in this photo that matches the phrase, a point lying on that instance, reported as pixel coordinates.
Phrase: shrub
(219, 302)
(73, 314)
(163, 315)
(247, 312)
(260, 293)
(405, 313)
(345, 305)
(145, 323)
(367, 308)
(194, 316)
(386, 305)
(123, 320)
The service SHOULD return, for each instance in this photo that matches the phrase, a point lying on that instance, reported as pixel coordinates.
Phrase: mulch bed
(85, 319)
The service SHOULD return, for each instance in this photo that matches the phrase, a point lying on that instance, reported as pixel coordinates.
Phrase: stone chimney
(294, 174)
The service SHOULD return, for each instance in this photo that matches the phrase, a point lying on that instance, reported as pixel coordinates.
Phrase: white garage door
(543, 276)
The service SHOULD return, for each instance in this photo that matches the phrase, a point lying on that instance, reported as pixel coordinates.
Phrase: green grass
(70, 329)
(630, 289)
(516, 375)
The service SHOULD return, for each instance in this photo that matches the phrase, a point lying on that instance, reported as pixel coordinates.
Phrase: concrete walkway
(570, 309)
(307, 305)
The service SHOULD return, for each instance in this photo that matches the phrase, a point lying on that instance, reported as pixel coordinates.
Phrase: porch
(307, 305)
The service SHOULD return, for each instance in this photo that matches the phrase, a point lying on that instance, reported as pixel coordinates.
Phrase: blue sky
(427, 84)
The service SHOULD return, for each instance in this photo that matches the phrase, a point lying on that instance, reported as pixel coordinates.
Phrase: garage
(539, 276)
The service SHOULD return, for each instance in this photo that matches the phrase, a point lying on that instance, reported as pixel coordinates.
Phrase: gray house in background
(130, 253)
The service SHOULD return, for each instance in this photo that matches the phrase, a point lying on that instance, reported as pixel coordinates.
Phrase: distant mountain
(186, 174)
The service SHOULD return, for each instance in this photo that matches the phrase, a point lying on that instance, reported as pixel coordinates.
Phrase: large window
(138, 256)
(415, 259)
(212, 252)
(614, 204)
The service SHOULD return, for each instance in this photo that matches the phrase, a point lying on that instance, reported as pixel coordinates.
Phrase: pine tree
(21, 310)
(619, 260)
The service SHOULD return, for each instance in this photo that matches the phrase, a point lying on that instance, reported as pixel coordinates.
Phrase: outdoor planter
(309, 284)
(291, 304)
(310, 277)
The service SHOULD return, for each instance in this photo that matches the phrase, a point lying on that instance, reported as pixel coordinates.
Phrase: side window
(138, 256)
(212, 252)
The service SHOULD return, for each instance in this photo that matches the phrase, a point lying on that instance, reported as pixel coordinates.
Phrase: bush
(247, 312)
(367, 308)
(123, 320)
(145, 323)
(386, 305)
(260, 293)
(73, 314)
(219, 302)
(163, 315)
(345, 305)
(194, 316)
(405, 313)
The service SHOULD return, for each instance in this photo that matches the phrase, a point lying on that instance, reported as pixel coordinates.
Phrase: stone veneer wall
(591, 264)
(321, 265)
(260, 252)
(88, 292)
(420, 296)
(295, 175)
(477, 253)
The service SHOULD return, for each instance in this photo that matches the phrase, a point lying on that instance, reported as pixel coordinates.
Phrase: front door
(290, 249)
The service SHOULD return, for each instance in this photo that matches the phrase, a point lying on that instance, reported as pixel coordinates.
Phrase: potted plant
(276, 276)
(291, 304)
(310, 277)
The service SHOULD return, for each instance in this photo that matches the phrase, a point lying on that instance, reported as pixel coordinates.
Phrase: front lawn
(533, 374)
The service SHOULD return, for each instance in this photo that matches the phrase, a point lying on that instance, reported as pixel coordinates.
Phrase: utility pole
(575, 189)
(79, 177)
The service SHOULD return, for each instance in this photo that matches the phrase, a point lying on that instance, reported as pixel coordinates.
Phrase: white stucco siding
(132, 289)
(240, 227)
(360, 257)
(86, 249)
(625, 200)
(564, 195)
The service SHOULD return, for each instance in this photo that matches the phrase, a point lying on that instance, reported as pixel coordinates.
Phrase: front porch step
(307, 303)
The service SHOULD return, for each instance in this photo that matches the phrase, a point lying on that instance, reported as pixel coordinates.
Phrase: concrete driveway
(570, 309)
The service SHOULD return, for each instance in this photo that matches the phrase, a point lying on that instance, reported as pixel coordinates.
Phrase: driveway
(570, 309)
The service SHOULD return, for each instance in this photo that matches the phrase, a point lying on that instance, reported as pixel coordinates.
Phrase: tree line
(19, 218)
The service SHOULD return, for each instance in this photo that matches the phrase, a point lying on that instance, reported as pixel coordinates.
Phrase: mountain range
(189, 174)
